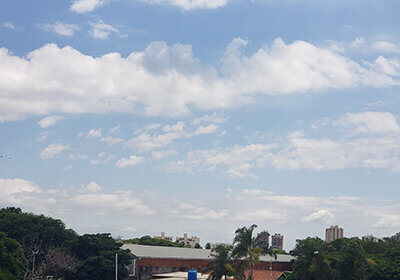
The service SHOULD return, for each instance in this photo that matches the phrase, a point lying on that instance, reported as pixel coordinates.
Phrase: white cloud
(94, 133)
(50, 121)
(158, 155)
(101, 30)
(11, 26)
(9, 187)
(53, 150)
(238, 160)
(132, 160)
(43, 136)
(77, 156)
(255, 192)
(60, 28)
(214, 118)
(322, 214)
(111, 140)
(385, 47)
(94, 161)
(120, 201)
(84, 6)
(370, 122)
(192, 4)
(370, 140)
(206, 129)
(92, 187)
(169, 80)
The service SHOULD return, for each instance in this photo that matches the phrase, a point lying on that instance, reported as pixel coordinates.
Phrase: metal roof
(158, 252)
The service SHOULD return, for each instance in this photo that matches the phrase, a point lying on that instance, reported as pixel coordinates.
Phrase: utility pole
(116, 266)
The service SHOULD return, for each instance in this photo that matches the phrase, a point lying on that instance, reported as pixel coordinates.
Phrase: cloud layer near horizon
(170, 81)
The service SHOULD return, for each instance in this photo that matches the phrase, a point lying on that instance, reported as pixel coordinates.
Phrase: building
(215, 245)
(149, 262)
(163, 237)
(263, 239)
(370, 237)
(397, 236)
(277, 241)
(192, 241)
(333, 233)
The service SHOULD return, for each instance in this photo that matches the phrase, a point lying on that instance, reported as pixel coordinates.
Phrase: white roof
(159, 252)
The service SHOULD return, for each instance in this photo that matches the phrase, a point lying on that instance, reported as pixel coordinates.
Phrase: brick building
(152, 260)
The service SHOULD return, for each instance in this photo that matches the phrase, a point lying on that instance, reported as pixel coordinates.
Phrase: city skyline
(137, 116)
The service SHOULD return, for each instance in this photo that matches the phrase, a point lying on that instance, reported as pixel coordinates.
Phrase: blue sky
(202, 116)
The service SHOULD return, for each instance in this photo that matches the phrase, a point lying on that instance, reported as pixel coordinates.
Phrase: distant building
(370, 237)
(333, 233)
(397, 236)
(192, 241)
(263, 239)
(277, 241)
(163, 237)
(149, 262)
(214, 245)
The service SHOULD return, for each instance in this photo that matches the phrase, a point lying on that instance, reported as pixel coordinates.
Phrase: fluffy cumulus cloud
(11, 187)
(370, 140)
(170, 80)
(60, 28)
(191, 4)
(84, 6)
(53, 150)
(50, 121)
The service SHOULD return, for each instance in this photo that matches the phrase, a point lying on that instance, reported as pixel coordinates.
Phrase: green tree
(10, 254)
(221, 264)
(248, 249)
(311, 260)
(96, 257)
(208, 245)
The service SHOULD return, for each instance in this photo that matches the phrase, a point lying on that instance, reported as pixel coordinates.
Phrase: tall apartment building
(263, 239)
(277, 241)
(163, 237)
(397, 236)
(192, 241)
(333, 233)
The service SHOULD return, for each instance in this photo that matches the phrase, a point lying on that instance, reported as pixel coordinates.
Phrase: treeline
(346, 259)
(148, 240)
(35, 246)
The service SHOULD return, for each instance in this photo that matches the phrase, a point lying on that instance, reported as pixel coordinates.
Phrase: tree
(248, 249)
(208, 245)
(96, 257)
(10, 254)
(312, 262)
(197, 246)
(221, 264)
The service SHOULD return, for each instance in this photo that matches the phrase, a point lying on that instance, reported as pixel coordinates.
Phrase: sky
(133, 117)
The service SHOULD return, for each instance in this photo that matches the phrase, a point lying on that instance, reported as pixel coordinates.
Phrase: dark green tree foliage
(312, 262)
(61, 251)
(96, 255)
(148, 240)
(221, 265)
(10, 253)
(208, 245)
(387, 264)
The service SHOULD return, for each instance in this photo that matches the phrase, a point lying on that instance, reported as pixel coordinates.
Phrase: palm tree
(248, 249)
(221, 267)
